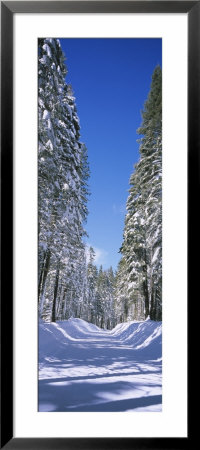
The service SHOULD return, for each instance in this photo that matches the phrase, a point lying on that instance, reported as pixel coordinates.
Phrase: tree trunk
(44, 272)
(43, 278)
(152, 309)
(53, 316)
(146, 297)
(63, 305)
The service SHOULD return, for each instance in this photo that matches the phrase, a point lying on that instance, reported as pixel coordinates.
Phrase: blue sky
(110, 79)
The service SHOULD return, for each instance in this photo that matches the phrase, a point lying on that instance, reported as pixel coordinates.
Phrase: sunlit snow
(85, 368)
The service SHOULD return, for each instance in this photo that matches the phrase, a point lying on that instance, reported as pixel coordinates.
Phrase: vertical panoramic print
(100, 225)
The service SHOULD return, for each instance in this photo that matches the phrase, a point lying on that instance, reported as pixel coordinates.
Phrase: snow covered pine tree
(142, 245)
(62, 189)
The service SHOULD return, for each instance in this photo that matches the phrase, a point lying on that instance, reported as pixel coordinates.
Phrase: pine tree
(105, 296)
(62, 186)
(121, 292)
(91, 295)
(110, 319)
(142, 245)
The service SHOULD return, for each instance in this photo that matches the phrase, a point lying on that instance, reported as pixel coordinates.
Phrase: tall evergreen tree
(62, 184)
(91, 297)
(142, 245)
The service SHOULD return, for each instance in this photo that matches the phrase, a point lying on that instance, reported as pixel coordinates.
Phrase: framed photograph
(94, 313)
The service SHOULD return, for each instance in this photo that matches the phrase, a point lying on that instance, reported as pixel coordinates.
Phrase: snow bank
(85, 368)
(141, 335)
(55, 337)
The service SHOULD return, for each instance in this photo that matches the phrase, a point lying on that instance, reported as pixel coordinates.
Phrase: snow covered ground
(85, 368)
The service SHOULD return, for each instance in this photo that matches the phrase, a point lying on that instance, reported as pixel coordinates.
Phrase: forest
(70, 285)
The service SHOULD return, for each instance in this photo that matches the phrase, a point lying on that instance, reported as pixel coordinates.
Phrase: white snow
(46, 114)
(155, 255)
(85, 368)
(47, 49)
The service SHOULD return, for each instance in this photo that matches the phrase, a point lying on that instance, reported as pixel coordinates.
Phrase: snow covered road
(84, 368)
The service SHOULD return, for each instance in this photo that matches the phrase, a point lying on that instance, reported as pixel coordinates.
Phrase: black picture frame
(8, 9)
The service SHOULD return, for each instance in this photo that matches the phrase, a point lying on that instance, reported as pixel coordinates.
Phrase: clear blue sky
(110, 79)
